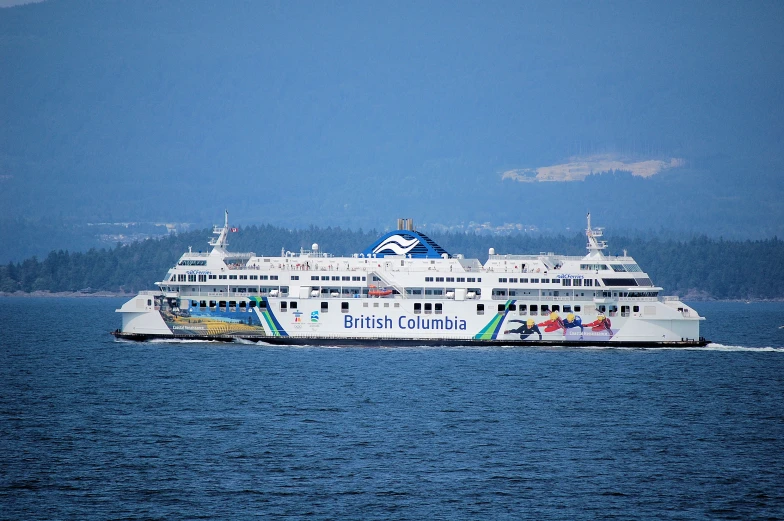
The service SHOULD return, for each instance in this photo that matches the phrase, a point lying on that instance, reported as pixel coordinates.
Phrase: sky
(316, 112)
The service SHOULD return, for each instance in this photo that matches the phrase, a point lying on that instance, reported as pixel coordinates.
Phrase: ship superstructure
(406, 289)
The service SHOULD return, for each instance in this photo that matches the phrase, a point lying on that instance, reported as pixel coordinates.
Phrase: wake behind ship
(407, 290)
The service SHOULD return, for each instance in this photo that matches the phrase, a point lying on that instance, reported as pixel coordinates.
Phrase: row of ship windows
(428, 308)
(353, 278)
(181, 277)
(620, 268)
(453, 279)
(562, 282)
(233, 305)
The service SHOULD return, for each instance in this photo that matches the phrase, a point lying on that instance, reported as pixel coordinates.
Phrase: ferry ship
(405, 289)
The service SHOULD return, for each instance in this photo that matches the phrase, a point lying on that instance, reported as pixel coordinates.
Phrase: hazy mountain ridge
(353, 115)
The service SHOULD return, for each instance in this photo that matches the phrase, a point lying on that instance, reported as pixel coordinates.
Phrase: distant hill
(354, 114)
(699, 268)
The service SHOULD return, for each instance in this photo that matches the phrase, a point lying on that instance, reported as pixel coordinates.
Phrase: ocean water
(93, 428)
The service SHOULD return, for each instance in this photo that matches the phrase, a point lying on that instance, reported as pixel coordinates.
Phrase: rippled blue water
(91, 428)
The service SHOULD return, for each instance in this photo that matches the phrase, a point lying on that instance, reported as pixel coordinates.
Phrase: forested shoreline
(697, 268)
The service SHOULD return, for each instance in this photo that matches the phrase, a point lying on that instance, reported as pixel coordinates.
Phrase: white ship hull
(428, 297)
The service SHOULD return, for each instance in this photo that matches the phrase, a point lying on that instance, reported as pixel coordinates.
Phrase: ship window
(619, 282)
(602, 308)
(417, 308)
(345, 278)
(344, 307)
(232, 277)
(522, 310)
(588, 282)
(479, 279)
(363, 278)
(194, 303)
(242, 306)
(263, 304)
(577, 282)
(480, 309)
(524, 281)
(355, 279)
(534, 309)
(203, 304)
(243, 277)
(471, 279)
(254, 277)
(314, 277)
(284, 289)
(439, 279)
(461, 279)
(295, 277)
(450, 279)
(324, 307)
(547, 281)
(502, 279)
(513, 281)
(212, 303)
(284, 306)
(293, 305)
(397, 304)
(624, 311)
(535, 281)
(428, 308)
(439, 308)
(566, 282)
(222, 305)
(252, 304)
(567, 308)
(376, 279)
(556, 308)
(578, 308)
(636, 309)
(273, 277)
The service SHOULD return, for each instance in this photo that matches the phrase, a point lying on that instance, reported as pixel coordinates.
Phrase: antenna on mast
(595, 246)
(220, 242)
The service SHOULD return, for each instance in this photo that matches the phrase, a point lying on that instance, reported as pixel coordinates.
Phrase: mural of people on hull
(528, 328)
(570, 328)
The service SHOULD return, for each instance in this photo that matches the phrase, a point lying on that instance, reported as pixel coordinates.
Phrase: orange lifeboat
(379, 292)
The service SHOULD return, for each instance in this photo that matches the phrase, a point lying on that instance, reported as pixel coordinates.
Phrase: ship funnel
(405, 224)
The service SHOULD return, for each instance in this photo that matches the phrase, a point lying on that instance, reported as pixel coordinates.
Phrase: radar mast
(595, 246)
